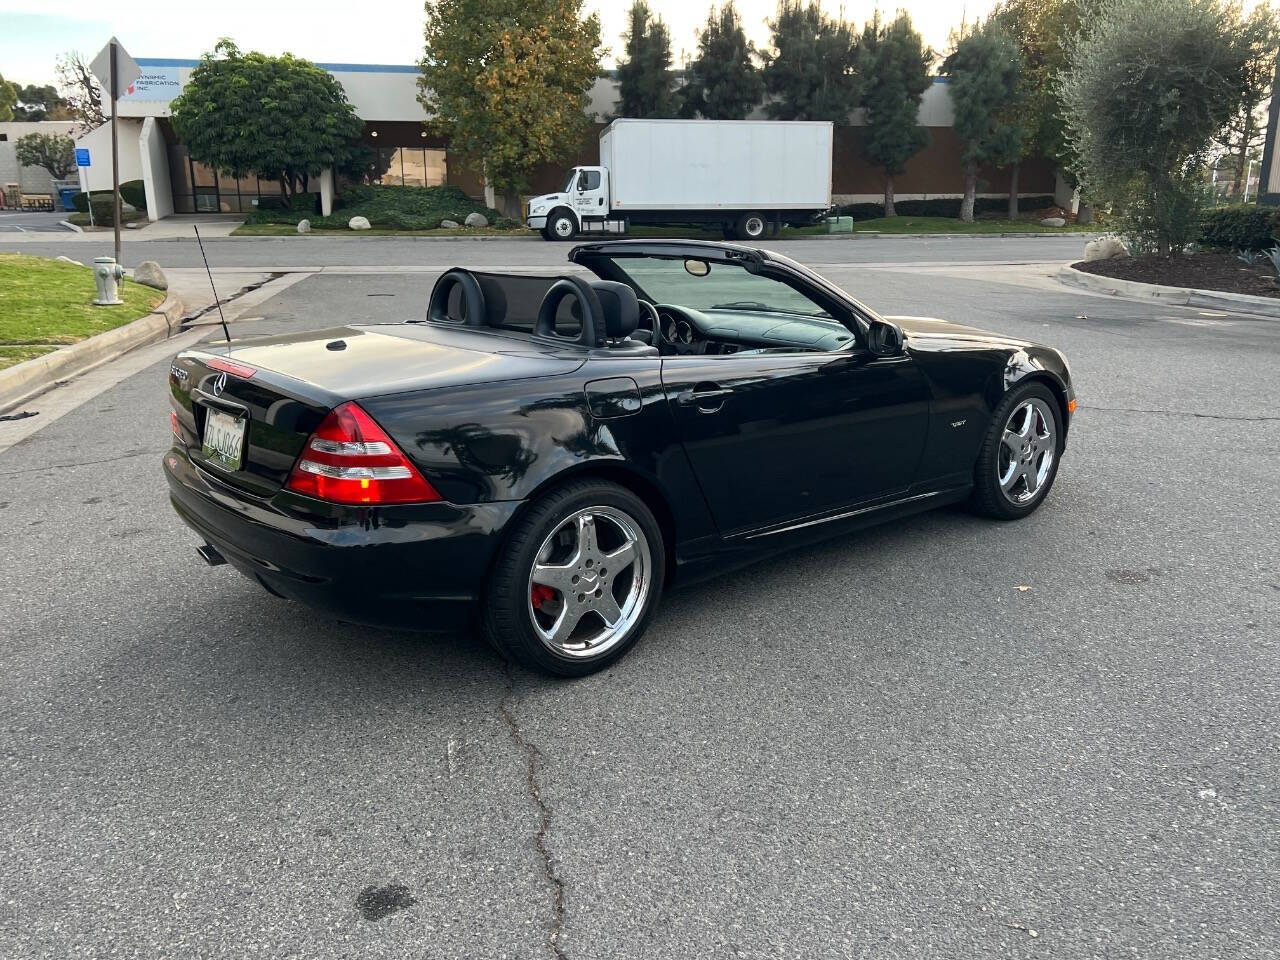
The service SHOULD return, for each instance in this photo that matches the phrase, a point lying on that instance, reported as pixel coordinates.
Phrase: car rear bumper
(419, 566)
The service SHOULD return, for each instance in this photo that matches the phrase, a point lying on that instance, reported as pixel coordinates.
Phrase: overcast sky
(335, 32)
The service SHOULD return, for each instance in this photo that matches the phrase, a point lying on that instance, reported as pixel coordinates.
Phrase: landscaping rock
(1104, 248)
(358, 223)
(1053, 222)
(476, 220)
(450, 224)
(304, 226)
(148, 272)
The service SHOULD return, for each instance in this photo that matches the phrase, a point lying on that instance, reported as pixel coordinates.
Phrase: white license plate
(223, 439)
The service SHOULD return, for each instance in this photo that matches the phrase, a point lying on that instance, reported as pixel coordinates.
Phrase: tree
(893, 63)
(8, 97)
(279, 118)
(1145, 91)
(984, 69)
(810, 74)
(80, 90)
(40, 103)
(645, 82)
(55, 152)
(722, 83)
(507, 81)
(1245, 132)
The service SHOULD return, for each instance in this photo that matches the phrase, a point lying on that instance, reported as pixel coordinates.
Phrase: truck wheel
(752, 226)
(561, 227)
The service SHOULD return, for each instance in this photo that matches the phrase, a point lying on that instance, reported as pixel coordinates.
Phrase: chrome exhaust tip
(210, 555)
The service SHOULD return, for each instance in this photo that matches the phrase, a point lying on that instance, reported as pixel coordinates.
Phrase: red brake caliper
(541, 594)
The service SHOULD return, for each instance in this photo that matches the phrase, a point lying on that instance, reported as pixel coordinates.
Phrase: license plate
(223, 439)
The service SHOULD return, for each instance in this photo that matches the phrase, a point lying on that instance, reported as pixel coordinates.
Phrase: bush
(132, 192)
(391, 208)
(1247, 227)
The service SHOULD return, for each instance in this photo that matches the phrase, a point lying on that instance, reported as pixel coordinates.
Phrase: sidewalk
(170, 228)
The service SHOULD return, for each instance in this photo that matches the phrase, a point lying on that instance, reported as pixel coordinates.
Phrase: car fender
(1037, 363)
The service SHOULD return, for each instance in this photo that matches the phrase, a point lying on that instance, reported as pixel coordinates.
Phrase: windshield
(721, 286)
(568, 184)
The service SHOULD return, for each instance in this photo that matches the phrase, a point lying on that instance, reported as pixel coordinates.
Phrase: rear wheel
(561, 227)
(751, 226)
(577, 580)
(1018, 461)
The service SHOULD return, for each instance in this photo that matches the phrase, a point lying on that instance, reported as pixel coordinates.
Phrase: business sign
(82, 156)
(154, 84)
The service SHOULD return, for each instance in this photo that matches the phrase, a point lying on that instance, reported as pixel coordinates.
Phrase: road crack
(1179, 413)
(532, 758)
(80, 463)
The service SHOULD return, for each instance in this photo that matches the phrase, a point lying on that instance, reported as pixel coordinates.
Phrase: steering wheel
(655, 325)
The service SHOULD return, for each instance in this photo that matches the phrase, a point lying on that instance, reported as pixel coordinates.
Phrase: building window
(410, 167)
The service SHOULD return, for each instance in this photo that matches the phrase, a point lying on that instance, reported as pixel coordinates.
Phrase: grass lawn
(47, 302)
(11, 355)
(907, 225)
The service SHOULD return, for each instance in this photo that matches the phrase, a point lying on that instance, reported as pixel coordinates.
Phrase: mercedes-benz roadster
(545, 455)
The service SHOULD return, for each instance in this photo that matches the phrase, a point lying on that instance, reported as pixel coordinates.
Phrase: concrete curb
(959, 236)
(1182, 296)
(31, 378)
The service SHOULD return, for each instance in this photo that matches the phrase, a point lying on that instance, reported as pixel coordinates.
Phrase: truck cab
(581, 206)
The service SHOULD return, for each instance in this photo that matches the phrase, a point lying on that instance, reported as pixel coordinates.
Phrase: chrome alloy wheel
(589, 583)
(1027, 451)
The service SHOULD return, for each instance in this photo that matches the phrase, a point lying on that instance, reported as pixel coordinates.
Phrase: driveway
(20, 222)
(944, 737)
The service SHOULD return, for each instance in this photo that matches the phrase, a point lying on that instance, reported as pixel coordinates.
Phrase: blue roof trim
(331, 67)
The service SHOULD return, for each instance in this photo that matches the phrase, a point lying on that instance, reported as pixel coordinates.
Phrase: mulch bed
(1200, 271)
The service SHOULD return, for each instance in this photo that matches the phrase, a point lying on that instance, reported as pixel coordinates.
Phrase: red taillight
(175, 426)
(241, 370)
(350, 459)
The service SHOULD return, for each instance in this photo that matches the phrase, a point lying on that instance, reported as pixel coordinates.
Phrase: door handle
(707, 397)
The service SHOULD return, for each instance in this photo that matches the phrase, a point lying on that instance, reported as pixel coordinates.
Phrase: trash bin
(65, 194)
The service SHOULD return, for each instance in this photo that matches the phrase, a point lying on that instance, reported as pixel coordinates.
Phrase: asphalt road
(879, 747)
(20, 221)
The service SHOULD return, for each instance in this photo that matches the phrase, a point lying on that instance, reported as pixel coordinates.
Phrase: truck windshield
(568, 184)
(724, 287)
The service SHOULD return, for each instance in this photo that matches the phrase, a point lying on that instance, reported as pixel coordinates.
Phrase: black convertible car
(548, 454)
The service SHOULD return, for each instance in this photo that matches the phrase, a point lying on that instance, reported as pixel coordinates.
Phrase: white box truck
(747, 176)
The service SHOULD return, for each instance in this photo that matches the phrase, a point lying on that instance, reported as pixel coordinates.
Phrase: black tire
(988, 498)
(751, 226)
(506, 618)
(560, 226)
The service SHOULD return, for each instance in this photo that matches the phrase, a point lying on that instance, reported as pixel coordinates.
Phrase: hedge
(1246, 227)
(394, 208)
(132, 192)
(942, 207)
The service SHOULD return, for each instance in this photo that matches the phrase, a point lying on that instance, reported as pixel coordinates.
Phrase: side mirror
(884, 339)
(582, 184)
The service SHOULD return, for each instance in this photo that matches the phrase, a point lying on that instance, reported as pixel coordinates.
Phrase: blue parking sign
(82, 156)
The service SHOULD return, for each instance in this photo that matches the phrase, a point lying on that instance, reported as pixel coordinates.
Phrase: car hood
(932, 329)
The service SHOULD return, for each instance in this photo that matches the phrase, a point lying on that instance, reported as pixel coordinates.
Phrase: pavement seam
(80, 463)
(1179, 413)
(532, 756)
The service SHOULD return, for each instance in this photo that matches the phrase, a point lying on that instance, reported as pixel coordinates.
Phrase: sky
(332, 32)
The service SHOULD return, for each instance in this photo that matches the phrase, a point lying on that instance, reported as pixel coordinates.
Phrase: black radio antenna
(226, 333)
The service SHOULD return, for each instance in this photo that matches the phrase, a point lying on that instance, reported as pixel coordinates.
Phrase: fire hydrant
(106, 272)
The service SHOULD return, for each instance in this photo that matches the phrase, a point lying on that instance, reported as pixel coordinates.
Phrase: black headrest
(620, 307)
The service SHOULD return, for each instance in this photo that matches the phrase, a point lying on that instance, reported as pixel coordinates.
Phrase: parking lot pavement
(15, 222)
(878, 747)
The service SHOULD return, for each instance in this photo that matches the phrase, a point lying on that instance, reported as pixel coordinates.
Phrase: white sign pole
(115, 149)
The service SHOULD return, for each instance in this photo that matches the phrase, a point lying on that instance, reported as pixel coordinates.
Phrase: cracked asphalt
(879, 747)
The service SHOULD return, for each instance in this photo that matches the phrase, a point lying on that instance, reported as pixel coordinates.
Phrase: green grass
(47, 302)
(12, 355)
(908, 225)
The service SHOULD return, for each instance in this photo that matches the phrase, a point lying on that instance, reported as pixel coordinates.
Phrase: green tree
(893, 64)
(279, 118)
(55, 152)
(40, 103)
(722, 83)
(984, 69)
(646, 86)
(8, 98)
(1244, 133)
(810, 73)
(80, 90)
(1145, 91)
(508, 82)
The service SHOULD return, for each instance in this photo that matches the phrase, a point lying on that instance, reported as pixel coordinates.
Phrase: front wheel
(561, 227)
(1018, 461)
(577, 581)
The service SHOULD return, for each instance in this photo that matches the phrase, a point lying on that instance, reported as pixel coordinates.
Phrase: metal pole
(115, 154)
(1248, 174)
